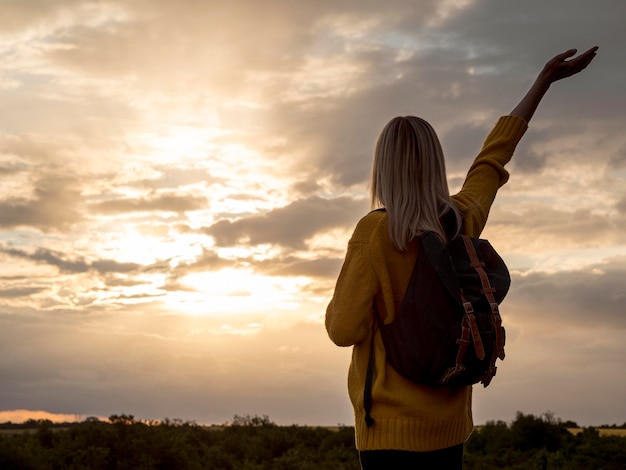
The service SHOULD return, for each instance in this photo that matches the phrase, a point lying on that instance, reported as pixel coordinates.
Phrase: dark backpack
(448, 331)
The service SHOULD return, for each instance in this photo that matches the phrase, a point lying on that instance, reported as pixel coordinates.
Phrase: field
(602, 431)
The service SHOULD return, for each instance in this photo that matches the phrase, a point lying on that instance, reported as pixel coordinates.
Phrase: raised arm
(557, 68)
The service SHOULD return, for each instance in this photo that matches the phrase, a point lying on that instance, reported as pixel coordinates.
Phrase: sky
(179, 181)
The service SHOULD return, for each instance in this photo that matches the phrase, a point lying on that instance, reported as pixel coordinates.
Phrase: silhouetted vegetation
(255, 442)
(543, 442)
(249, 442)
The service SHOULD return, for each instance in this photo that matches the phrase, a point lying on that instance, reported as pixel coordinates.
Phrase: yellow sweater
(408, 416)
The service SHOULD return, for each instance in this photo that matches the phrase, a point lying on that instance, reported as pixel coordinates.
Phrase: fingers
(576, 64)
(559, 59)
(566, 54)
(565, 64)
(590, 54)
(584, 59)
(571, 52)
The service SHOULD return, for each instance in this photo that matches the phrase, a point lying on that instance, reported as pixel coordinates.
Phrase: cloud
(56, 204)
(16, 292)
(162, 202)
(588, 298)
(289, 226)
(75, 266)
(207, 261)
(579, 227)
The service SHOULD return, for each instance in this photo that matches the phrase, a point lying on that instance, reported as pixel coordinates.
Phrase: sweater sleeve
(349, 314)
(487, 174)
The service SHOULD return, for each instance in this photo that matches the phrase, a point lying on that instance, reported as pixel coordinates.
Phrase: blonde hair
(409, 180)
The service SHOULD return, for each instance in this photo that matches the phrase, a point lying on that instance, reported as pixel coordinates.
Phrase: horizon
(180, 181)
(23, 416)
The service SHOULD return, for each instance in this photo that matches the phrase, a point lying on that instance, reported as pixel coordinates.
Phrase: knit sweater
(408, 416)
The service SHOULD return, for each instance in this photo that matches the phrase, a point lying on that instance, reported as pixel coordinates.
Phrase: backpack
(448, 331)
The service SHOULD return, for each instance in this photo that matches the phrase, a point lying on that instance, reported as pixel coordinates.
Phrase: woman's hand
(559, 67)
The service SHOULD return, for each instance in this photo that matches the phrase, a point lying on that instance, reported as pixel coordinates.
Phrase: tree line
(256, 443)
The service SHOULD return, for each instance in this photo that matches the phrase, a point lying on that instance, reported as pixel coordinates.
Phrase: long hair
(409, 180)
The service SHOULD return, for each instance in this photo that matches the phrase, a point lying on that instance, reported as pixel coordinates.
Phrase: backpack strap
(463, 342)
(496, 319)
(468, 327)
(369, 380)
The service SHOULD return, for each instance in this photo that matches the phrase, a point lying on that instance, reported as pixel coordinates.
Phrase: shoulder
(370, 226)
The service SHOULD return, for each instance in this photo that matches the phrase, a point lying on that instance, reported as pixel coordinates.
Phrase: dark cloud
(326, 266)
(73, 266)
(306, 188)
(498, 34)
(342, 134)
(113, 279)
(436, 83)
(56, 205)
(16, 292)
(550, 226)
(532, 155)
(207, 261)
(163, 202)
(589, 298)
(289, 226)
(461, 143)
(496, 28)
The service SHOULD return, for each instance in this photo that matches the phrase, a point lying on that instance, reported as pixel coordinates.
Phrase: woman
(417, 425)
